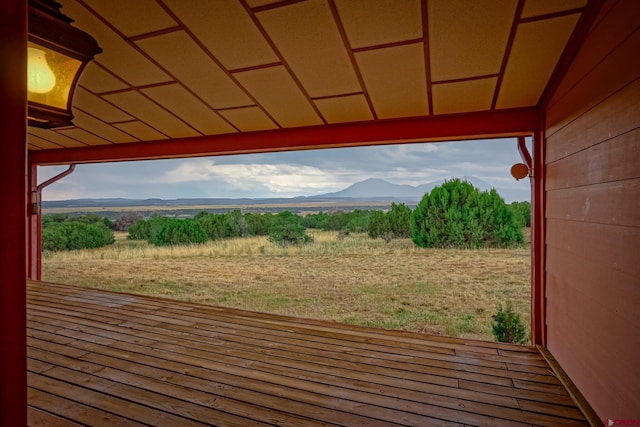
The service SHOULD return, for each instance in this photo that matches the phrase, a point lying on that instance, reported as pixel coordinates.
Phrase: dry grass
(352, 280)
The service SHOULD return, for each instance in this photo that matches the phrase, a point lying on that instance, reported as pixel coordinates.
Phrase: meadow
(350, 279)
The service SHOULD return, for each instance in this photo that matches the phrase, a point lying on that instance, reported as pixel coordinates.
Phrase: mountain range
(372, 189)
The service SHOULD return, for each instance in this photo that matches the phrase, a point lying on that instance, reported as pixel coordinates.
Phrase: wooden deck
(102, 358)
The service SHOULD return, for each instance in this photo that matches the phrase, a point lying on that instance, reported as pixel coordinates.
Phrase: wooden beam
(13, 190)
(497, 123)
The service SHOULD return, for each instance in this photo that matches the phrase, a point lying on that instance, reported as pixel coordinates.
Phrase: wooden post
(13, 190)
(34, 225)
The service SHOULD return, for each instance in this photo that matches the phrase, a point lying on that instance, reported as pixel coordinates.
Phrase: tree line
(455, 215)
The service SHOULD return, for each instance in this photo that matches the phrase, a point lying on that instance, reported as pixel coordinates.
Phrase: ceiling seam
(161, 32)
(387, 45)
(342, 95)
(286, 66)
(91, 133)
(465, 79)
(352, 58)
(229, 74)
(45, 139)
(58, 131)
(427, 55)
(551, 15)
(256, 67)
(276, 5)
(507, 52)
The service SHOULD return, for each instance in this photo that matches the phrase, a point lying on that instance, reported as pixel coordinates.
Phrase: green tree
(399, 220)
(286, 228)
(180, 232)
(70, 235)
(146, 229)
(456, 214)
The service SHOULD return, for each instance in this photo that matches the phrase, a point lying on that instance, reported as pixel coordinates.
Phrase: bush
(507, 326)
(286, 228)
(70, 235)
(147, 229)
(522, 213)
(180, 232)
(458, 215)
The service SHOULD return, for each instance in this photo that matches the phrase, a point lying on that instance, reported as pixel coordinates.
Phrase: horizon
(292, 174)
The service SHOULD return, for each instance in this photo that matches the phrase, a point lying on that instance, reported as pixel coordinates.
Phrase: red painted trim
(498, 123)
(13, 250)
(524, 152)
(538, 248)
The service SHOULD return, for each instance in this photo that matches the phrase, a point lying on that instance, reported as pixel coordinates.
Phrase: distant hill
(373, 189)
(379, 189)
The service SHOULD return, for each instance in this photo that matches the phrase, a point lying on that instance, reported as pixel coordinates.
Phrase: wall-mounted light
(56, 54)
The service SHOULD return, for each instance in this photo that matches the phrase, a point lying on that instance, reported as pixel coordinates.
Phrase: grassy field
(354, 280)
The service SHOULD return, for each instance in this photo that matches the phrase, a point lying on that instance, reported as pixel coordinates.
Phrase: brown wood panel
(593, 343)
(579, 275)
(190, 362)
(611, 248)
(600, 67)
(38, 418)
(614, 116)
(608, 203)
(612, 160)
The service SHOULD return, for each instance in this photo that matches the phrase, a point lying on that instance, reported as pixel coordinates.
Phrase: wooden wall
(593, 215)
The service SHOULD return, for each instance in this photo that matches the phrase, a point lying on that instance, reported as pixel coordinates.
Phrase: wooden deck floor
(101, 358)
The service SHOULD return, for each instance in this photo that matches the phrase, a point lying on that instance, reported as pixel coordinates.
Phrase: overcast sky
(289, 174)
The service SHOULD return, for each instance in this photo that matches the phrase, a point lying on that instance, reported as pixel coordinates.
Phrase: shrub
(507, 326)
(70, 235)
(147, 229)
(458, 215)
(286, 228)
(180, 232)
(522, 213)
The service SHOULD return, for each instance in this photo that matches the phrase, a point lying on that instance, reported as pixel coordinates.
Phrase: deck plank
(97, 355)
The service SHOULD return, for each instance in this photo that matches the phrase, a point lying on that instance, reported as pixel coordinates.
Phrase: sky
(290, 174)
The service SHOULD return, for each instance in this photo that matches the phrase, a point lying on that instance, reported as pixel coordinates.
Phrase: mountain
(379, 189)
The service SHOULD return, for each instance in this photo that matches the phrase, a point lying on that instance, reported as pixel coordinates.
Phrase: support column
(13, 192)
(538, 247)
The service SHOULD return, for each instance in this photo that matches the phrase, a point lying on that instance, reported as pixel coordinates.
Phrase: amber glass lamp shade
(56, 55)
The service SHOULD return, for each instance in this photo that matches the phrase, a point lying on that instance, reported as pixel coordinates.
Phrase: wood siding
(592, 133)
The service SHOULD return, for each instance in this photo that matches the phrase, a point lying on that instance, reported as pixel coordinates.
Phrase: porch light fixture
(56, 54)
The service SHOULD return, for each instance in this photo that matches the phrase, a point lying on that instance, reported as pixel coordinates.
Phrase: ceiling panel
(184, 59)
(462, 96)
(535, 53)
(468, 38)
(37, 143)
(228, 32)
(343, 109)
(151, 113)
(117, 54)
(100, 108)
(97, 79)
(544, 7)
(189, 108)
(395, 80)
(308, 27)
(133, 18)
(377, 22)
(276, 91)
(249, 119)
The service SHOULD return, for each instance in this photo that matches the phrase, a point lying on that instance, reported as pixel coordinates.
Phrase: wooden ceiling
(175, 69)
